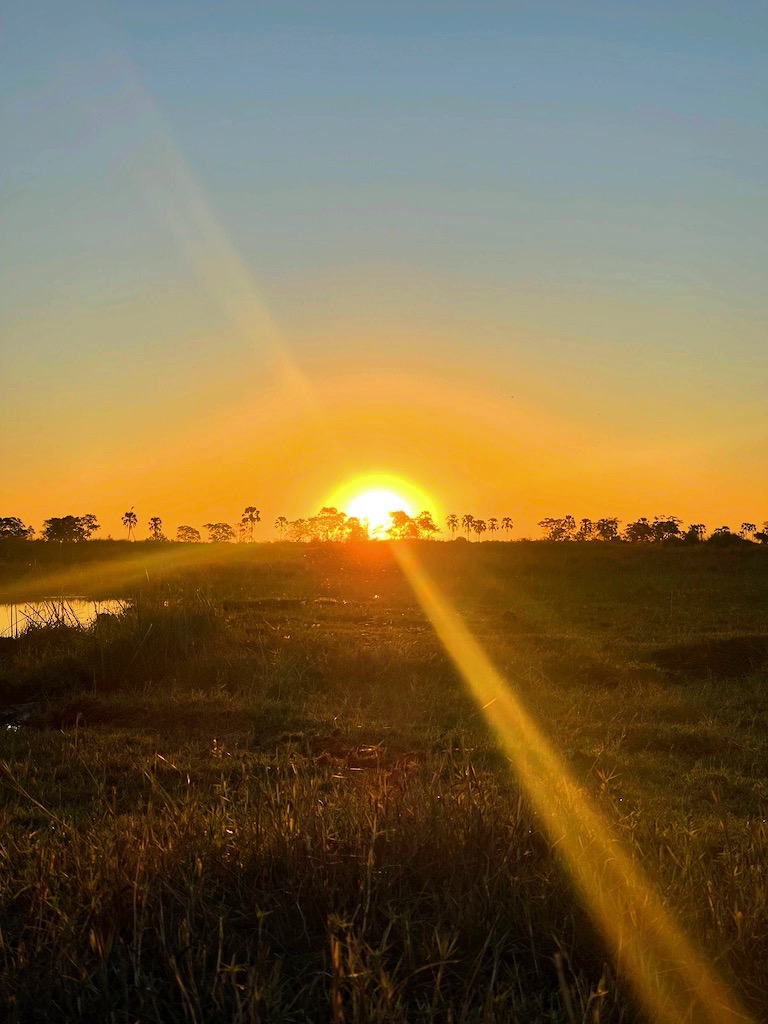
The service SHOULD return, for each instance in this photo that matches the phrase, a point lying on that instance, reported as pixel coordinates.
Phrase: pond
(55, 611)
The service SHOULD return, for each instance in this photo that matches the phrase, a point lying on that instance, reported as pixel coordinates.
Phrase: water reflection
(55, 611)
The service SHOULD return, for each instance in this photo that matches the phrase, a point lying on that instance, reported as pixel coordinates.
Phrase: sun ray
(172, 190)
(670, 977)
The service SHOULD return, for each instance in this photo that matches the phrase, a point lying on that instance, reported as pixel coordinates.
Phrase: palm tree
(479, 527)
(493, 524)
(280, 525)
(452, 522)
(156, 528)
(467, 521)
(130, 522)
(507, 524)
(250, 517)
(695, 532)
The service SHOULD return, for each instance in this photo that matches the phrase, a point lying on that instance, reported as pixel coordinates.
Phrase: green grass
(264, 794)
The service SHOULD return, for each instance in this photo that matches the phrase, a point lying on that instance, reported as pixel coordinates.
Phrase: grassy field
(264, 792)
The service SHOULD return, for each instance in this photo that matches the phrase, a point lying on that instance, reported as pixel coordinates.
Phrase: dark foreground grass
(263, 793)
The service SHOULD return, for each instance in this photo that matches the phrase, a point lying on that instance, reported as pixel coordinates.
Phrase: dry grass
(237, 803)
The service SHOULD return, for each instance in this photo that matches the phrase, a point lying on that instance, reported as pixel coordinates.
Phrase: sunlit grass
(671, 977)
(239, 802)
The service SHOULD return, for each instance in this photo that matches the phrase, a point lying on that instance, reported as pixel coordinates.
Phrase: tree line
(331, 524)
(660, 529)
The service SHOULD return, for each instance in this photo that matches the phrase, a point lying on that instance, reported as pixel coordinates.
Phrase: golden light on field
(372, 497)
(669, 975)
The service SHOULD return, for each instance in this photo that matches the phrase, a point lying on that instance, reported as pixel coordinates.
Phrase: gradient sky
(513, 252)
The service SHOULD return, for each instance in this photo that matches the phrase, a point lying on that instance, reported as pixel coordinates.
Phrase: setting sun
(374, 507)
(371, 498)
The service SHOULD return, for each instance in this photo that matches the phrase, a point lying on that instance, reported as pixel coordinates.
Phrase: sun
(372, 497)
(374, 507)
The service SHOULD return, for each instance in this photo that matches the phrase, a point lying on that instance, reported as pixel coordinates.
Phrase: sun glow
(374, 507)
(371, 498)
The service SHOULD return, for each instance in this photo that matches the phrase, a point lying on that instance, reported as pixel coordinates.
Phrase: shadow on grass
(724, 658)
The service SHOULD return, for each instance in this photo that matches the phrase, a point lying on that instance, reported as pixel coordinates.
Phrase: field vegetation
(264, 793)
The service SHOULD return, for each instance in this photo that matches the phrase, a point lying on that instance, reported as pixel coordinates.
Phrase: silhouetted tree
(666, 528)
(156, 528)
(586, 530)
(663, 528)
(405, 527)
(558, 529)
(187, 535)
(70, 528)
(507, 524)
(724, 536)
(467, 521)
(62, 528)
(280, 525)
(747, 529)
(761, 536)
(89, 524)
(220, 533)
(493, 524)
(299, 530)
(248, 520)
(328, 524)
(402, 526)
(452, 522)
(12, 528)
(356, 530)
(639, 531)
(479, 527)
(426, 525)
(607, 529)
(549, 526)
(695, 533)
(130, 521)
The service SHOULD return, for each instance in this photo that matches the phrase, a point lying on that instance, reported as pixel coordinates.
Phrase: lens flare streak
(672, 980)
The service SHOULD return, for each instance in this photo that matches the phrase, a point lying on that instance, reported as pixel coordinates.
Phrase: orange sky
(467, 443)
(420, 248)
